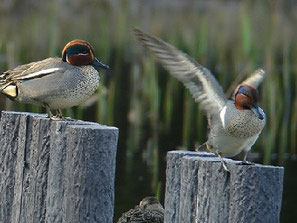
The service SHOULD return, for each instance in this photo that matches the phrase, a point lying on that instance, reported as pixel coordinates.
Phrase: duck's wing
(31, 70)
(254, 80)
(199, 80)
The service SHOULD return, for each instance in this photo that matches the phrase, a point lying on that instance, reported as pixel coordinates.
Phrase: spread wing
(199, 80)
(254, 80)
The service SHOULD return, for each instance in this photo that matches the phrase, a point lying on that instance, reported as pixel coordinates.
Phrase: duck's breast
(242, 123)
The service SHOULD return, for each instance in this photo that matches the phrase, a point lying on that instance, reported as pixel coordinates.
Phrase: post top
(74, 123)
(211, 157)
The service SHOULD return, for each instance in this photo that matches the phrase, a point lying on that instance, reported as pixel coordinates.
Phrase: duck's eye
(243, 90)
(78, 49)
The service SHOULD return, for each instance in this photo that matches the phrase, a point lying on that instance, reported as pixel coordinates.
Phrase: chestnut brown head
(79, 53)
(247, 97)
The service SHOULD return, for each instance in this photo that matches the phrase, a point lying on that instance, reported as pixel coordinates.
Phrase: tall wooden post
(198, 189)
(56, 171)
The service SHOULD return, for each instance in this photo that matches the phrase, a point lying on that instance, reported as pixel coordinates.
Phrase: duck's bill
(97, 63)
(257, 111)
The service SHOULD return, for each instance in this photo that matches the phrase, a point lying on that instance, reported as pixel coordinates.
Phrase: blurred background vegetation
(153, 111)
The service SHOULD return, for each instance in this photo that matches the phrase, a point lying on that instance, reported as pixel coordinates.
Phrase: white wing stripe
(39, 73)
(222, 115)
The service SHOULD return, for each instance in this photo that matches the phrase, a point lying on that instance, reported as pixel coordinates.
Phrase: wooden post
(199, 190)
(56, 171)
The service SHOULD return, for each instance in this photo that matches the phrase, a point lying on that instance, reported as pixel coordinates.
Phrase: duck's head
(246, 97)
(148, 201)
(79, 52)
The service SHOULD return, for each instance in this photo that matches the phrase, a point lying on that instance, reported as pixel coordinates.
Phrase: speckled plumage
(149, 210)
(234, 125)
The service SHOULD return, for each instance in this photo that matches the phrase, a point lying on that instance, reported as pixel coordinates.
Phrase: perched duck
(55, 83)
(149, 210)
(234, 124)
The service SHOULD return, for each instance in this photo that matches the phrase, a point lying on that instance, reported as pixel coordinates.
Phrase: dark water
(289, 205)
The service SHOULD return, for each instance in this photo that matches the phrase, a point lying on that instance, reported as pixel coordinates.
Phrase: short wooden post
(56, 171)
(199, 190)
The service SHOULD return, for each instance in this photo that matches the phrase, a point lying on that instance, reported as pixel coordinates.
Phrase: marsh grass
(154, 112)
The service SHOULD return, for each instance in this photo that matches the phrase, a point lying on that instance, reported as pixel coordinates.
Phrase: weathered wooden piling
(198, 189)
(56, 171)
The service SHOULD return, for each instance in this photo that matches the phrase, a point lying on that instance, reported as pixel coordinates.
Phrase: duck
(234, 124)
(149, 210)
(55, 83)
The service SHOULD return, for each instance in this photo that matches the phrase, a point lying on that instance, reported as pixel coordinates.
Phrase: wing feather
(254, 80)
(30, 71)
(199, 80)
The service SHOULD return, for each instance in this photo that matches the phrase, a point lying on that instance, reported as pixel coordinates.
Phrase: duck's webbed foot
(214, 150)
(59, 113)
(222, 161)
(244, 161)
(200, 146)
(209, 147)
(58, 117)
